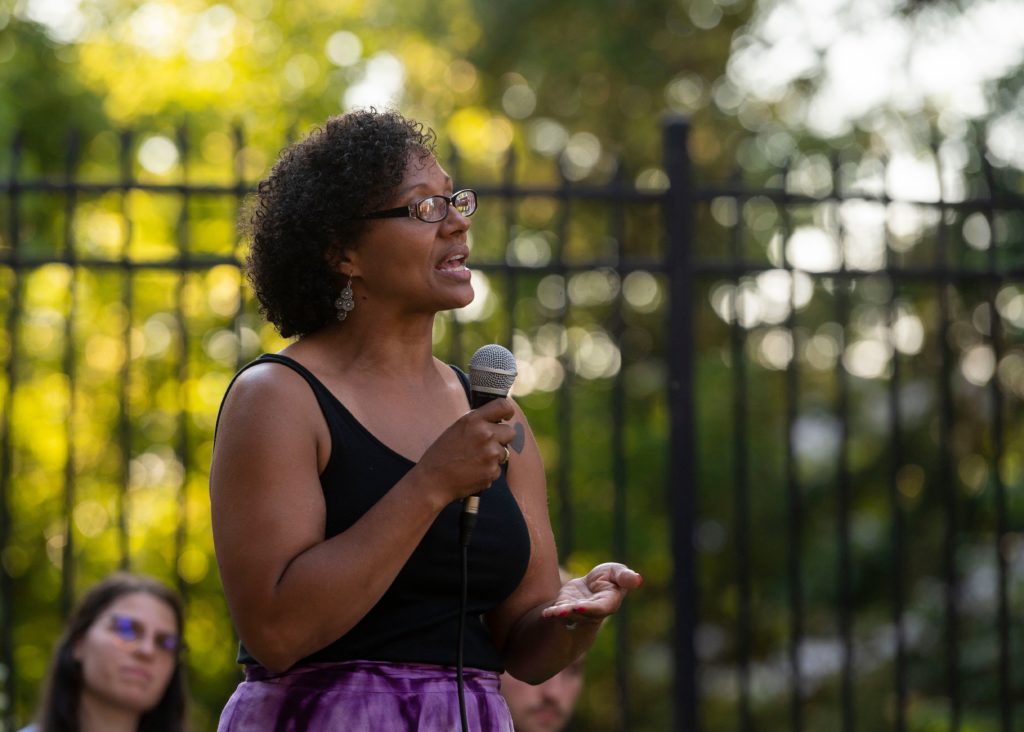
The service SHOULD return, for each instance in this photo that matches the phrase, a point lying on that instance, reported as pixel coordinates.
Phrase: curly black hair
(303, 213)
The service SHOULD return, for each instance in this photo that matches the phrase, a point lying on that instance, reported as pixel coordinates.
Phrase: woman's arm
(289, 591)
(531, 628)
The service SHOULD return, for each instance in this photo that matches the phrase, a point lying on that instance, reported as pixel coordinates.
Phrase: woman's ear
(345, 262)
(351, 263)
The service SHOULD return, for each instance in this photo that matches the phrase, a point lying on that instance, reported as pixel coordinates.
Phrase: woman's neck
(99, 715)
(393, 351)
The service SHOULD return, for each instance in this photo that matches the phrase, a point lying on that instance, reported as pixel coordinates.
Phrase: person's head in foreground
(118, 664)
(548, 706)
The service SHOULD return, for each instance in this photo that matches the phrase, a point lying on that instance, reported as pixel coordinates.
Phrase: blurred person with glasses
(340, 462)
(117, 667)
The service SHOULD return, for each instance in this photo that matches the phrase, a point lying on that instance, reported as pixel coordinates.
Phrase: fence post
(682, 466)
(8, 676)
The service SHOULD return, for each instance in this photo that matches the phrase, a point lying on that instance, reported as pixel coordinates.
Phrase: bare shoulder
(272, 442)
(268, 377)
(267, 386)
(271, 409)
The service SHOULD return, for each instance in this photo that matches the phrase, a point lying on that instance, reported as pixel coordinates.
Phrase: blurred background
(761, 263)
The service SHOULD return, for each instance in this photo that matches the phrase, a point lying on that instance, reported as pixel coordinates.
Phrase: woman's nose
(146, 646)
(457, 220)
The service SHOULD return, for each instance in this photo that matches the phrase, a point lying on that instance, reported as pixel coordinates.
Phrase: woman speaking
(341, 462)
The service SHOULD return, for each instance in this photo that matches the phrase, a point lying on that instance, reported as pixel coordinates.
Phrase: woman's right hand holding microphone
(467, 457)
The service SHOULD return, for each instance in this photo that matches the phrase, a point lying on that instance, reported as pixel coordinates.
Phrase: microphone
(491, 373)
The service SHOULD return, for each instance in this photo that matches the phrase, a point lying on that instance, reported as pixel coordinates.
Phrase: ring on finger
(507, 455)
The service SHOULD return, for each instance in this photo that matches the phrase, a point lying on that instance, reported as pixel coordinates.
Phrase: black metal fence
(794, 407)
(901, 614)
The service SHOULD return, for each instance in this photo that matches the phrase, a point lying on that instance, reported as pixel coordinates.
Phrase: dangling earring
(345, 302)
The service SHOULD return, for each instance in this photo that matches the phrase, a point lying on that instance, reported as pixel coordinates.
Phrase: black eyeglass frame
(412, 210)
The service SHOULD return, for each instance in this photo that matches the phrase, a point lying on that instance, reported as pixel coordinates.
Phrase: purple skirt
(365, 695)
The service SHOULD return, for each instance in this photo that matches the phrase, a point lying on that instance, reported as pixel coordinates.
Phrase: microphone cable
(466, 533)
(467, 520)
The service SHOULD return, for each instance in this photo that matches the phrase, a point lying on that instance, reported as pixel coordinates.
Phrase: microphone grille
(492, 368)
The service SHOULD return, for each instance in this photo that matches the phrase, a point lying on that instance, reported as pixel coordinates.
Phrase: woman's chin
(462, 298)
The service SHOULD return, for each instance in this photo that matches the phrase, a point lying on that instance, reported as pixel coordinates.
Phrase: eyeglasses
(432, 208)
(132, 631)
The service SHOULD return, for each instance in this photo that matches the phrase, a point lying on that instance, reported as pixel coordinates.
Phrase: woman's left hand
(594, 597)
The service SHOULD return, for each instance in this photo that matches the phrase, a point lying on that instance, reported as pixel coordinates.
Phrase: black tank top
(416, 621)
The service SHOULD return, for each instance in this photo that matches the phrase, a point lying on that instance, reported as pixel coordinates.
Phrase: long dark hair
(59, 709)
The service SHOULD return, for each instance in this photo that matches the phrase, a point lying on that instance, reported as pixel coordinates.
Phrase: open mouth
(455, 263)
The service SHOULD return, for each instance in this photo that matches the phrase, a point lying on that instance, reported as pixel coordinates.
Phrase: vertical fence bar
(896, 512)
(947, 475)
(946, 461)
(794, 502)
(620, 510)
(844, 569)
(508, 182)
(7, 445)
(566, 538)
(67, 585)
(127, 298)
(741, 472)
(998, 437)
(844, 286)
(1002, 522)
(184, 262)
(682, 473)
(948, 481)
(240, 191)
(897, 518)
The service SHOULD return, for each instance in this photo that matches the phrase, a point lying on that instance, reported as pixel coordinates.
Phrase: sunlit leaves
(480, 135)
